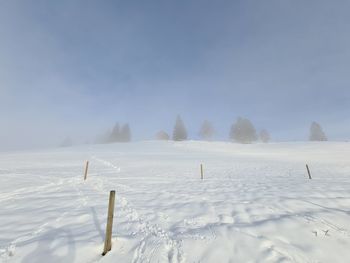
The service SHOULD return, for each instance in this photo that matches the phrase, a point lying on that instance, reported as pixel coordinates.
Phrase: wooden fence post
(108, 238)
(308, 171)
(202, 171)
(86, 170)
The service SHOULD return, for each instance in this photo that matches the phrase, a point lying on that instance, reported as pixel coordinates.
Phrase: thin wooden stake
(308, 171)
(108, 238)
(86, 170)
(202, 171)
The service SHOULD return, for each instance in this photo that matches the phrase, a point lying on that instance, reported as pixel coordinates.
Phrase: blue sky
(74, 68)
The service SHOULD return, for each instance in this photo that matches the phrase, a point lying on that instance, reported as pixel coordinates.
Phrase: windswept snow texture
(255, 204)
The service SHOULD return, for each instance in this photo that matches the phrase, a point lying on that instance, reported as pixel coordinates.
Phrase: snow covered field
(255, 203)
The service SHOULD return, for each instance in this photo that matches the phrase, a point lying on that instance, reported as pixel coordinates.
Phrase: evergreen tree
(316, 133)
(179, 133)
(125, 133)
(115, 134)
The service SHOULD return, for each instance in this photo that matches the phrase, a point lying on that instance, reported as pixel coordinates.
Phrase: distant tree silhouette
(118, 134)
(264, 136)
(115, 134)
(162, 136)
(316, 133)
(125, 133)
(179, 133)
(243, 131)
(207, 131)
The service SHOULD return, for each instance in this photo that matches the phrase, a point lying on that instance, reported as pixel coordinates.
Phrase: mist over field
(75, 68)
(174, 131)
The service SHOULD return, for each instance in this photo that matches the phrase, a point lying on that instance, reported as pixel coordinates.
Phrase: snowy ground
(255, 203)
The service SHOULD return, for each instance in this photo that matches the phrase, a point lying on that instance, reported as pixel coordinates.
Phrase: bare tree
(207, 131)
(316, 133)
(162, 136)
(264, 136)
(179, 133)
(243, 131)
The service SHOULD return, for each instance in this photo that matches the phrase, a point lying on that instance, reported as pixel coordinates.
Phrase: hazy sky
(74, 68)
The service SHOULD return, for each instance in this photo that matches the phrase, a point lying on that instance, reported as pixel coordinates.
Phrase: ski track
(146, 230)
(9, 250)
(153, 240)
(281, 248)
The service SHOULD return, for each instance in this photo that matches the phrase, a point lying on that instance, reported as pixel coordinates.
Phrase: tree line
(241, 131)
(119, 133)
